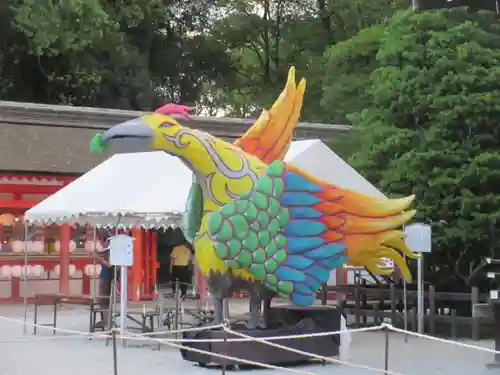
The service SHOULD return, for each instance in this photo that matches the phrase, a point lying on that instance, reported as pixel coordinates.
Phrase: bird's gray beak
(130, 136)
(133, 129)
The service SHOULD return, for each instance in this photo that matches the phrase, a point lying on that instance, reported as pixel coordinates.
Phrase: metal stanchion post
(223, 367)
(177, 307)
(386, 355)
(115, 359)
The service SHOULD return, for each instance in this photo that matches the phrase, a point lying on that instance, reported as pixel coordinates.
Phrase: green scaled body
(247, 233)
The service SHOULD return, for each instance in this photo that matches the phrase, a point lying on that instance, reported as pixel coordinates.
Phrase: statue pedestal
(282, 321)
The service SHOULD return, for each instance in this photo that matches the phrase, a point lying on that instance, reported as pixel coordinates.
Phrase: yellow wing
(270, 136)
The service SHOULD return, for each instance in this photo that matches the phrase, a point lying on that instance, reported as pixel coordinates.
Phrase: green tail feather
(191, 220)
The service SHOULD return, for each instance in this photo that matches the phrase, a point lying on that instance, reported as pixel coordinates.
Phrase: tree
(133, 54)
(432, 130)
(348, 66)
(266, 37)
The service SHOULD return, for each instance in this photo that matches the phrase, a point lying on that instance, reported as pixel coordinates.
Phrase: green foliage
(133, 54)
(432, 130)
(348, 66)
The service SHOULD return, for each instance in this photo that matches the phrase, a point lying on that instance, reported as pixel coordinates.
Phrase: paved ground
(79, 356)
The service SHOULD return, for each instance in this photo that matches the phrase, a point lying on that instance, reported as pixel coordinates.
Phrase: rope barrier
(62, 330)
(51, 338)
(221, 356)
(177, 343)
(307, 354)
(250, 338)
(444, 341)
(192, 329)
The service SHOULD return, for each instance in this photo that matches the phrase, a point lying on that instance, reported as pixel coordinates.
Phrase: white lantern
(16, 271)
(72, 246)
(28, 270)
(29, 246)
(17, 246)
(38, 246)
(89, 246)
(57, 270)
(71, 270)
(5, 272)
(37, 271)
(57, 246)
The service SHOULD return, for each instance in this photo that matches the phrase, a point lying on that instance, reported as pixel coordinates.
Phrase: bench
(56, 299)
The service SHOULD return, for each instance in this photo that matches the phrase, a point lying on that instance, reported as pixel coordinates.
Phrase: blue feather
(289, 274)
(302, 228)
(298, 199)
(296, 182)
(303, 288)
(301, 244)
(333, 263)
(304, 213)
(326, 251)
(303, 299)
(298, 262)
(312, 282)
(319, 272)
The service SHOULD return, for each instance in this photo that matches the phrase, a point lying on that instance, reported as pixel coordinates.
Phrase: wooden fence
(446, 313)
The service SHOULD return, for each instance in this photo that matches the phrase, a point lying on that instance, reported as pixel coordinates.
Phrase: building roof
(50, 138)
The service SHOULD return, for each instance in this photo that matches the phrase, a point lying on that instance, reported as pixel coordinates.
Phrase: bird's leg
(266, 309)
(218, 310)
(255, 319)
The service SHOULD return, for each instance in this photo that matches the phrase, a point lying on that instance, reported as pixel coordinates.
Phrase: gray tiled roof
(48, 138)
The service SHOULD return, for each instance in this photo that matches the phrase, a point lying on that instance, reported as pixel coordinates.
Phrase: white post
(123, 302)
(121, 254)
(420, 295)
(419, 240)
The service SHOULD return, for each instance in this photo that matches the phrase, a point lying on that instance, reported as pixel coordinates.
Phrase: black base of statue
(282, 321)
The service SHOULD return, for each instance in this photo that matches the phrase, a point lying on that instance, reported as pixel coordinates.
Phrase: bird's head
(157, 131)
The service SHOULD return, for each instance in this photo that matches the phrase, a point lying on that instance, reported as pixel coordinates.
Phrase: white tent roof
(150, 188)
(137, 189)
(316, 158)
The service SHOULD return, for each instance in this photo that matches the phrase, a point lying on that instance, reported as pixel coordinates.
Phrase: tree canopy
(433, 123)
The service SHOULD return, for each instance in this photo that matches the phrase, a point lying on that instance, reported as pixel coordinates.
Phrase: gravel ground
(27, 354)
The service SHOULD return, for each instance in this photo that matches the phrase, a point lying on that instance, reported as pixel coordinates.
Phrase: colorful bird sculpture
(260, 224)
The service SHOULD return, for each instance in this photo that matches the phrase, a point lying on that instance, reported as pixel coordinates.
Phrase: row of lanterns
(38, 246)
(38, 271)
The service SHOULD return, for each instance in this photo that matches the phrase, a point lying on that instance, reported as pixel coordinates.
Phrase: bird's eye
(166, 124)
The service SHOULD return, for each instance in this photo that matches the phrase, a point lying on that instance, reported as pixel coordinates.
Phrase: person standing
(105, 280)
(180, 261)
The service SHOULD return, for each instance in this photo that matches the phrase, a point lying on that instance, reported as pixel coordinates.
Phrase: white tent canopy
(138, 189)
(317, 159)
(150, 189)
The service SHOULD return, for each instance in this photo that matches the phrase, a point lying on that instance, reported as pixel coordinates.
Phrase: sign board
(419, 237)
(121, 250)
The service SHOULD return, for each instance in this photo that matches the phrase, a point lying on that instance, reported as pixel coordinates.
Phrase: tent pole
(95, 279)
(25, 276)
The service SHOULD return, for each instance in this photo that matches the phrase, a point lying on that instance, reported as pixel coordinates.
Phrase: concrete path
(63, 355)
